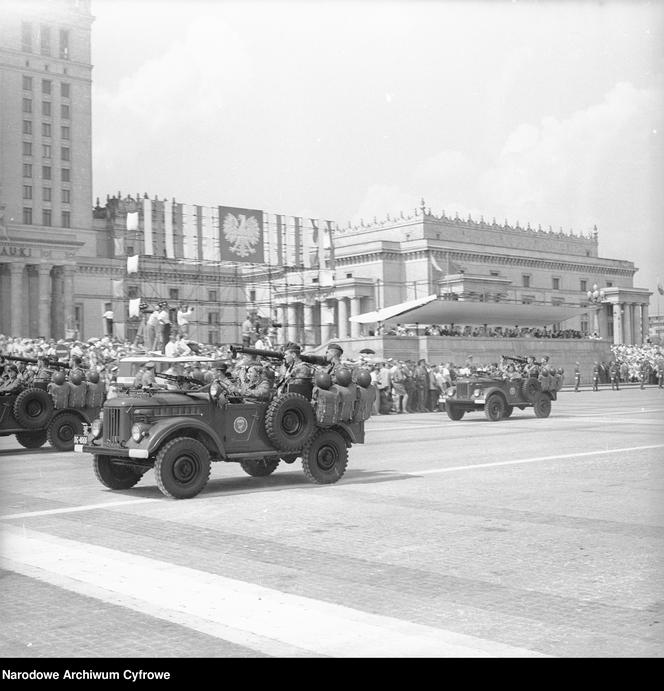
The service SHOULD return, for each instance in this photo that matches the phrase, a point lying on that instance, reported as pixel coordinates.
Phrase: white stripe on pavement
(533, 460)
(73, 509)
(261, 618)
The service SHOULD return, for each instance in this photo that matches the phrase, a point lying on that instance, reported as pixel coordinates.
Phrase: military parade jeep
(179, 433)
(498, 397)
(37, 414)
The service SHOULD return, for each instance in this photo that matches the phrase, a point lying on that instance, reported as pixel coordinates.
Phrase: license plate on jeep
(80, 439)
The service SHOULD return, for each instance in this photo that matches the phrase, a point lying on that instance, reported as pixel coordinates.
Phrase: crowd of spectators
(479, 331)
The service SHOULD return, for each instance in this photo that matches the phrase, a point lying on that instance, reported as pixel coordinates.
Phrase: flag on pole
(435, 265)
(241, 234)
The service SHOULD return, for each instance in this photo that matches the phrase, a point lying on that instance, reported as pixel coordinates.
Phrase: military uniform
(577, 376)
(596, 377)
(645, 373)
(613, 373)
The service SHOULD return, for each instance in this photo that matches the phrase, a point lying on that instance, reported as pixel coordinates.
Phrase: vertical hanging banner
(328, 241)
(241, 234)
(118, 246)
(210, 249)
(147, 227)
(297, 241)
(281, 247)
(190, 232)
(168, 229)
(132, 264)
(118, 288)
(132, 220)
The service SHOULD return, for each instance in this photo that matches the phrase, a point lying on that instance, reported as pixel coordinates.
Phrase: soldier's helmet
(59, 378)
(76, 377)
(364, 378)
(197, 374)
(93, 377)
(343, 376)
(323, 380)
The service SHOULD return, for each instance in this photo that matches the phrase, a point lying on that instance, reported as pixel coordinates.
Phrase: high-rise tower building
(45, 159)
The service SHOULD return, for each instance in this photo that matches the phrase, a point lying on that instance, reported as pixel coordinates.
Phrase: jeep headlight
(96, 428)
(477, 392)
(138, 431)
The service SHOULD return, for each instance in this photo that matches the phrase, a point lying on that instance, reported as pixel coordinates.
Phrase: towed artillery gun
(179, 433)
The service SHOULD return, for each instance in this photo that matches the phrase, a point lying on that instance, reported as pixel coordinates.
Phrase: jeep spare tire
(33, 408)
(530, 388)
(290, 422)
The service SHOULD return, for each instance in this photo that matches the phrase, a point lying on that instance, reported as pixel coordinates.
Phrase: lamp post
(596, 298)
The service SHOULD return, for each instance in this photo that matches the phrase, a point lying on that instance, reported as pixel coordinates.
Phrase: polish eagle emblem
(241, 233)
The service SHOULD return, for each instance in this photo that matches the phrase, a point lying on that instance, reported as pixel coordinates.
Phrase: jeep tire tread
(454, 411)
(33, 408)
(62, 430)
(325, 457)
(542, 405)
(290, 422)
(260, 467)
(182, 468)
(530, 388)
(31, 440)
(114, 474)
(494, 408)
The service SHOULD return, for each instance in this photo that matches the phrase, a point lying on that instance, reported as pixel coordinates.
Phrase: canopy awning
(434, 310)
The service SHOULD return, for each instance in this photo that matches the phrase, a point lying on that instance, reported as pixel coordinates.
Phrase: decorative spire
(422, 205)
(595, 232)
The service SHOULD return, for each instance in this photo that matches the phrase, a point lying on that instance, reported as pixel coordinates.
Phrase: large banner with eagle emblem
(241, 235)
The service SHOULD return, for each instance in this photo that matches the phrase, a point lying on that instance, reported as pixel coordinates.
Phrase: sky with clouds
(543, 112)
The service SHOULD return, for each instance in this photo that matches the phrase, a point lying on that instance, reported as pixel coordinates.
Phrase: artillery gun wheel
(182, 468)
(31, 440)
(325, 457)
(115, 475)
(260, 467)
(33, 408)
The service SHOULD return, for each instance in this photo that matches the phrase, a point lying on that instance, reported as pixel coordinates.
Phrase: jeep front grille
(463, 390)
(112, 425)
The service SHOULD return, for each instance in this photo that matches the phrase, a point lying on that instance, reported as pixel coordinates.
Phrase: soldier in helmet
(257, 385)
(577, 376)
(333, 356)
(294, 367)
(596, 376)
(614, 375)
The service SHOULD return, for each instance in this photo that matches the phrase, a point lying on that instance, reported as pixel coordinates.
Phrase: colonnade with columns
(625, 323)
(314, 321)
(37, 299)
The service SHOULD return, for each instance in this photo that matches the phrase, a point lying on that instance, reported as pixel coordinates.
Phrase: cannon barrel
(179, 378)
(278, 355)
(521, 360)
(33, 361)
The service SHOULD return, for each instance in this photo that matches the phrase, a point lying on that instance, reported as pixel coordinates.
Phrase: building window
(494, 273)
(64, 132)
(609, 284)
(65, 174)
(213, 337)
(66, 219)
(46, 108)
(27, 170)
(132, 292)
(584, 285)
(252, 295)
(213, 318)
(349, 275)
(555, 283)
(64, 89)
(46, 150)
(27, 215)
(525, 281)
(46, 86)
(46, 172)
(174, 294)
(27, 126)
(212, 296)
(64, 44)
(26, 37)
(27, 83)
(64, 153)
(47, 217)
(584, 323)
(27, 105)
(46, 194)
(27, 148)
(66, 196)
(45, 40)
(64, 111)
(27, 191)
(46, 129)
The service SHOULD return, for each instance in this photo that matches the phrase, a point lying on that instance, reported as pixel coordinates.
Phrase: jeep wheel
(261, 467)
(290, 422)
(31, 440)
(530, 388)
(182, 468)
(115, 475)
(494, 408)
(454, 412)
(509, 409)
(325, 457)
(542, 405)
(63, 429)
(33, 408)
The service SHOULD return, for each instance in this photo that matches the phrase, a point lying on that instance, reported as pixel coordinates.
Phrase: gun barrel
(20, 358)
(277, 355)
(314, 359)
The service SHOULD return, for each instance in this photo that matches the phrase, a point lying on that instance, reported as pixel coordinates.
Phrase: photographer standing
(184, 314)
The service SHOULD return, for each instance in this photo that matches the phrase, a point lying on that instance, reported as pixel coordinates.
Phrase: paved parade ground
(521, 538)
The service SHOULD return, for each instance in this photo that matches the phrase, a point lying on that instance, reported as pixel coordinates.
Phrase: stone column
(617, 324)
(44, 272)
(645, 327)
(343, 318)
(603, 320)
(291, 321)
(18, 299)
(309, 335)
(355, 304)
(324, 324)
(282, 318)
(68, 295)
(636, 324)
(627, 323)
